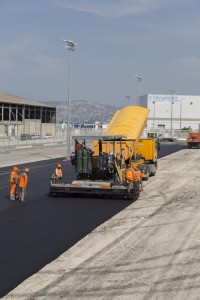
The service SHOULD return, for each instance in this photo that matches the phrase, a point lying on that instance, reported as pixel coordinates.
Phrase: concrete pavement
(150, 250)
(31, 155)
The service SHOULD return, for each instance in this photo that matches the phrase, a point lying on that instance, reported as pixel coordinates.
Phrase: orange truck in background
(193, 140)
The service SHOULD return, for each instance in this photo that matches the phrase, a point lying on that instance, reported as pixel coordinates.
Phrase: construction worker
(78, 145)
(14, 181)
(129, 174)
(23, 180)
(138, 176)
(58, 174)
(133, 174)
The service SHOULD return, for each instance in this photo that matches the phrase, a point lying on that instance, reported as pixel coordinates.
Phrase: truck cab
(154, 135)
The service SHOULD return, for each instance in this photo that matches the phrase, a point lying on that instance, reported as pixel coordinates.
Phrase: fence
(12, 144)
(177, 134)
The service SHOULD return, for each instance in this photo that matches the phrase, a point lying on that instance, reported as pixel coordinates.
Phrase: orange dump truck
(193, 140)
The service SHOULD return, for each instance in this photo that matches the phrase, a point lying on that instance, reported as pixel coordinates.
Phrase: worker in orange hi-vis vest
(14, 181)
(23, 180)
(133, 174)
(138, 176)
(58, 173)
(129, 177)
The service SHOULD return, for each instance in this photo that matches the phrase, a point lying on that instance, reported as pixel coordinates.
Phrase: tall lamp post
(180, 113)
(128, 98)
(139, 80)
(154, 112)
(172, 102)
(69, 45)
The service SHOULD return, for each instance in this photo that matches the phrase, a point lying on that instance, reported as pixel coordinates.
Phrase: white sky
(156, 39)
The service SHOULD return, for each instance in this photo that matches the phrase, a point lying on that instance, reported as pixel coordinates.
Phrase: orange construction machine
(193, 140)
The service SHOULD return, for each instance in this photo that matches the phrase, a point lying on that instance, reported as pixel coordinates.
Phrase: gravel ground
(150, 250)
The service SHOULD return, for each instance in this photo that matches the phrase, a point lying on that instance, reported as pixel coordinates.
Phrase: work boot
(12, 198)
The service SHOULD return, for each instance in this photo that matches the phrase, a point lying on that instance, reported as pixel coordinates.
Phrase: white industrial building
(172, 112)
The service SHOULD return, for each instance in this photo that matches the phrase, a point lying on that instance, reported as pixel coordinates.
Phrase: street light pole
(154, 112)
(172, 102)
(139, 80)
(69, 45)
(180, 113)
(128, 98)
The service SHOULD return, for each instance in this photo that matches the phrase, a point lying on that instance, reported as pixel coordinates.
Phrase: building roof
(12, 99)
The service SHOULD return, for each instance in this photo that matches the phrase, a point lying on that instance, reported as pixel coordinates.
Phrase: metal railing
(14, 144)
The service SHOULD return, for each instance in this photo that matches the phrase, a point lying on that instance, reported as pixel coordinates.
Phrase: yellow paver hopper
(128, 122)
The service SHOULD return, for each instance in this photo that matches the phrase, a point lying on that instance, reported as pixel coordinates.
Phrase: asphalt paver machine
(101, 171)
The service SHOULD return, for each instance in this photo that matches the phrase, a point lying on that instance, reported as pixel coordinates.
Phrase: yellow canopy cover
(128, 122)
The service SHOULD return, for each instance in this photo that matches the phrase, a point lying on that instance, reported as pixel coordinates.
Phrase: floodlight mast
(139, 80)
(69, 45)
(171, 119)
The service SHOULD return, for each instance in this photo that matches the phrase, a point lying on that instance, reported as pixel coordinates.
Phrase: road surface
(36, 232)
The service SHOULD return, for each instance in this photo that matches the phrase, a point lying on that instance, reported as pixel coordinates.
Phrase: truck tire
(153, 173)
(136, 192)
(146, 178)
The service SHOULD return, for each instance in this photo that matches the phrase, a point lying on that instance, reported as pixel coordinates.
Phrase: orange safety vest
(129, 174)
(138, 176)
(59, 172)
(13, 176)
(23, 180)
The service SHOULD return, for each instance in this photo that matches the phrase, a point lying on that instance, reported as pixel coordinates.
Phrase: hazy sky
(157, 39)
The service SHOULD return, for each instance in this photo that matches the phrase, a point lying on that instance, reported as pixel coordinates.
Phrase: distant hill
(84, 111)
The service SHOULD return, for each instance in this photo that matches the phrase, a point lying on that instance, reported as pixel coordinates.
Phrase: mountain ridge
(84, 111)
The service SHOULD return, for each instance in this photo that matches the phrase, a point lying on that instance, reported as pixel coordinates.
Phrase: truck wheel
(153, 173)
(136, 192)
(146, 178)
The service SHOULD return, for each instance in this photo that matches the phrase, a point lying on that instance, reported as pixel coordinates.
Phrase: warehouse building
(22, 116)
(172, 111)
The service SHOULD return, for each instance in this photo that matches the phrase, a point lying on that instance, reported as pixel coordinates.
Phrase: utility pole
(139, 80)
(172, 102)
(154, 112)
(128, 98)
(69, 45)
(180, 114)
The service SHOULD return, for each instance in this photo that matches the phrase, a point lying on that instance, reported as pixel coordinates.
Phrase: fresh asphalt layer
(36, 232)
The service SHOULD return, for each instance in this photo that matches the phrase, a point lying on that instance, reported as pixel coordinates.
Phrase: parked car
(162, 138)
(35, 136)
(25, 137)
(48, 136)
